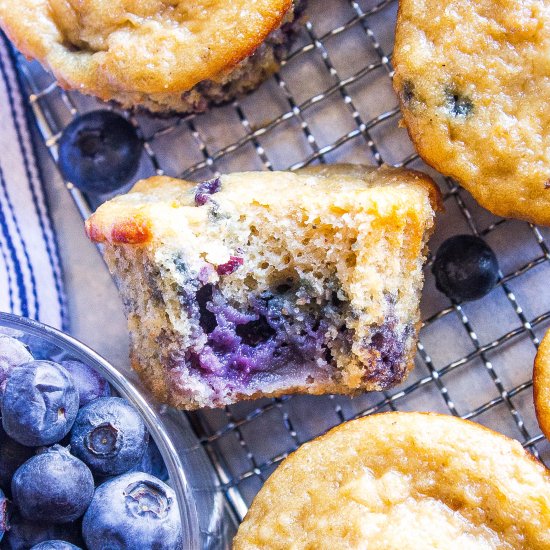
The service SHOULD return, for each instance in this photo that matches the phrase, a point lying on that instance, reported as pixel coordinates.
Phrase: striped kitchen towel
(30, 271)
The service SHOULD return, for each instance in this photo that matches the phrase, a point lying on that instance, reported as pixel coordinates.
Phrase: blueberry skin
(109, 435)
(152, 462)
(53, 486)
(55, 545)
(89, 383)
(133, 512)
(99, 151)
(12, 354)
(12, 455)
(4, 524)
(465, 268)
(24, 534)
(156, 462)
(40, 403)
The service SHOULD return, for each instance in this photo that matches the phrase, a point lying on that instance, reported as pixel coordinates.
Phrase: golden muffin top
(148, 46)
(403, 481)
(473, 78)
(156, 206)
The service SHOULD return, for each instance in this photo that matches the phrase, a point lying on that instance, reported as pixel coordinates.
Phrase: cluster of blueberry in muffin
(77, 466)
(287, 327)
(281, 327)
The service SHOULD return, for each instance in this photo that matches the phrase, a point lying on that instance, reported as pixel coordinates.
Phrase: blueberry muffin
(473, 78)
(164, 55)
(264, 283)
(398, 481)
(541, 384)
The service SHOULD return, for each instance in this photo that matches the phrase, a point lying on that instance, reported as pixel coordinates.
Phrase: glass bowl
(205, 517)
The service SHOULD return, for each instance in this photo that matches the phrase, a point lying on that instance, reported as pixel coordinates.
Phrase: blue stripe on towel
(52, 248)
(29, 224)
(8, 274)
(18, 240)
(21, 289)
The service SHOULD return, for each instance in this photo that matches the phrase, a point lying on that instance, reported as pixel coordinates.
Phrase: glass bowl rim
(135, 395)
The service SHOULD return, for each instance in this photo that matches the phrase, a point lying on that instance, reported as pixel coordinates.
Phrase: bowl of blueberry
(87, 460)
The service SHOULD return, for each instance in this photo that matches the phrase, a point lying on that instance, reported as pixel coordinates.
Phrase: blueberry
(12, 455)
(53, 486)
(99, 151)
(3, 514)
(24, 534)
(206, 188)
(12, 354)
(132, 512)
(109, 436)
(255, 332)
(458, 105)
(89, 383)
(465, 268)
(229, 267)
(152, 462)
(158, 467)
(40, 403)
(407, 93)
(55, 545)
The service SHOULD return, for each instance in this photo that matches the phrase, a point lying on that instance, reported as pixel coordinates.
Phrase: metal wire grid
(245, 442)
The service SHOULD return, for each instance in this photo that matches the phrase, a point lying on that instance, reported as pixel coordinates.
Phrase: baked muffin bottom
(231, 84)
(161, 55)
(403, 480)
(258, 284)
(473, 80)
(244, 78)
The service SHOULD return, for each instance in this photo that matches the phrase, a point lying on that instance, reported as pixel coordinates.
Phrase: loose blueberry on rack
(88, 382)
(109, 436)
(12, 354)
(55, 545)
(40, 403)
(130, 508)
(465, 268)
(53, 486)
(99, 151)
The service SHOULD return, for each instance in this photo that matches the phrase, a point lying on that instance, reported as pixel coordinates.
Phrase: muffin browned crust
(473, 78)
(396, 481)
(161, 54)
(541, 384)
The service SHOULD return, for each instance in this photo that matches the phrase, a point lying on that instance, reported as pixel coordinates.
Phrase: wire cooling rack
(332, 101)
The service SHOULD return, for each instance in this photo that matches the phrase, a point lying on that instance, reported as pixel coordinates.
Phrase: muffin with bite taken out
(264, 283)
